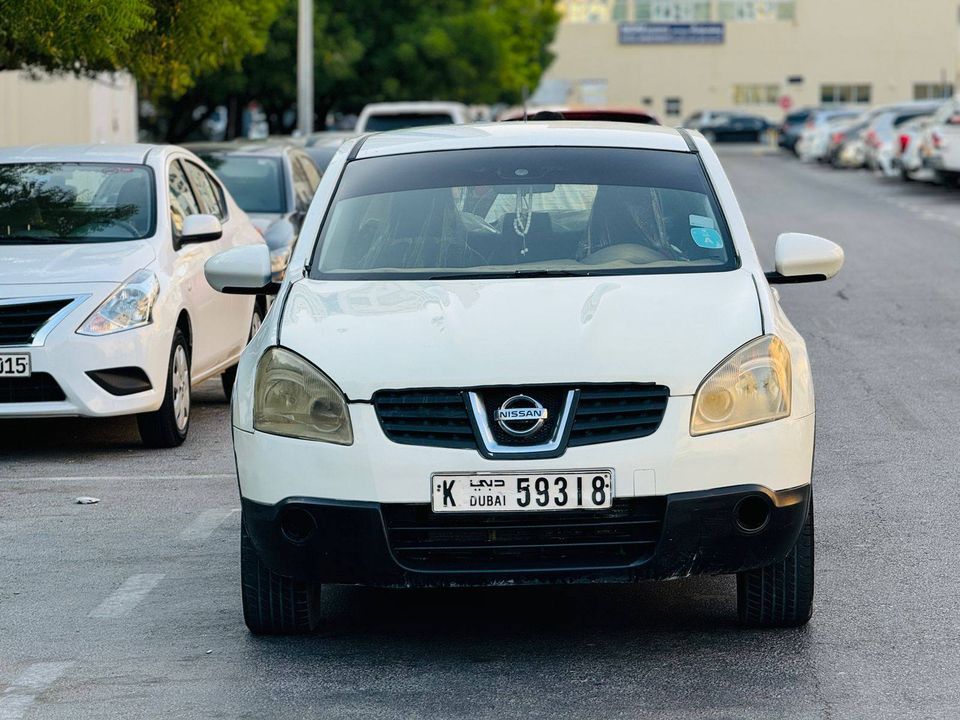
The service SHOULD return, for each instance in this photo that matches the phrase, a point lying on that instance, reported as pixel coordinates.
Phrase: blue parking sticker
(707, 238)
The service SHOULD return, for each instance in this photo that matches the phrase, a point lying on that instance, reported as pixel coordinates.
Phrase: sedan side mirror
(241, 271)
(200, 228)
(803, 258)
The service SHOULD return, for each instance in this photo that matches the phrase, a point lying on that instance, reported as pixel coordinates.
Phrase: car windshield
(397, 121)
(75, 202)
(256, 183)
(523, 211)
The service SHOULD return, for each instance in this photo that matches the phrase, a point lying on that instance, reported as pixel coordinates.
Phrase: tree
(166, 44)
(475, 51)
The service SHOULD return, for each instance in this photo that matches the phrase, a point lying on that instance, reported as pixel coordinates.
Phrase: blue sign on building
(638, 33)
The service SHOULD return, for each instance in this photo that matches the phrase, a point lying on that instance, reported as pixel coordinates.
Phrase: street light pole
(305, 67)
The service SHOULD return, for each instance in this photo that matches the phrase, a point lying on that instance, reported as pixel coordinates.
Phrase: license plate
(15, 365)
(489, 492)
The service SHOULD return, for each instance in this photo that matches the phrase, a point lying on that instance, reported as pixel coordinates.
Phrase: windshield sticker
(702, 221)
(707, 238)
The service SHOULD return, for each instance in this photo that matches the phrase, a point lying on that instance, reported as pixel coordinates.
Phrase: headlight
(293, 398)
(129, 306)
(750, 387)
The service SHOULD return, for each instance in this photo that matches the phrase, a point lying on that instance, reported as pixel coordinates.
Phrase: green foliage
(166, 44)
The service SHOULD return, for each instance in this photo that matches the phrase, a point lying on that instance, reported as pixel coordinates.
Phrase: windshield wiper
(510, 274)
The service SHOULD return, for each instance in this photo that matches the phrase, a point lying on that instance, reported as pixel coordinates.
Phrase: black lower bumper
(710, 532)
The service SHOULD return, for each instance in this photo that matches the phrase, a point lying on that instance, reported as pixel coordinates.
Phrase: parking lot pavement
(130, 608)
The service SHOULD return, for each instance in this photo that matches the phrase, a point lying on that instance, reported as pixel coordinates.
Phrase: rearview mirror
(200, 228)
(241, 271)
(805, 258)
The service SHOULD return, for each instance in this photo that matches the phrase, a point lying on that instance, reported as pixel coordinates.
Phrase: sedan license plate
(15, 365)
(489, 492)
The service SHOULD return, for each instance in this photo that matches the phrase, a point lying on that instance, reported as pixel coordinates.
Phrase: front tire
(275, 604)
(780, 594)
(167, 427)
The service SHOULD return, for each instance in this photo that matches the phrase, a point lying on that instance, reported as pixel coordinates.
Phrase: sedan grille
(19, 323)
(623, 535)
(39, 387)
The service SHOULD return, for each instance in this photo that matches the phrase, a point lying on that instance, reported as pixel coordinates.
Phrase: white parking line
(204, 524)
(116, 478)
(18, 698)
(126, 597)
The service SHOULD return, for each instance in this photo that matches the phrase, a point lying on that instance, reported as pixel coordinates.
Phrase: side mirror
(200, 228)
(803, 258)
(241, 271)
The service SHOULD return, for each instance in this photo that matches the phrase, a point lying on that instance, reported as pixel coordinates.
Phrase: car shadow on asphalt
(22, 438)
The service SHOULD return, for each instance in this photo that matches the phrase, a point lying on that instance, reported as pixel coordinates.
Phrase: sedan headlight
(752, 386)
(293, 398)
(129, 306)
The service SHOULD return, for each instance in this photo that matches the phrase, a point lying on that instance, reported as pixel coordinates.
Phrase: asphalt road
(130, 608)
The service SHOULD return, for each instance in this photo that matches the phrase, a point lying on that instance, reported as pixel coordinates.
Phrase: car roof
(542, 133)
(263, 149)
(94, 153)
(414, 107)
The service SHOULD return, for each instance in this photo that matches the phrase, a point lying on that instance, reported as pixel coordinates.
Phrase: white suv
(525, 353)
(104, 308)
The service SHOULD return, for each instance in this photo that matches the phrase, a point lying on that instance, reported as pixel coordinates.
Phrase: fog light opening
(296, 524)
(753, 513)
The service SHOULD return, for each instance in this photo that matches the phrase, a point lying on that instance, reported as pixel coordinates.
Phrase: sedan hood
(667, 329)
(74, 263)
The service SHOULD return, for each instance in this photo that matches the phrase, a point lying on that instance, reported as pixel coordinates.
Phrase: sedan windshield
(75, 202)
(398, 121)
(523, 212)
(256, 183)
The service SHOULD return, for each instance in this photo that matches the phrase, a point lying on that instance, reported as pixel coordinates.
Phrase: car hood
(74, 263)
(668, 329)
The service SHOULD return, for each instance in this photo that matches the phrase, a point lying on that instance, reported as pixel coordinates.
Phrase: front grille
(39, 387)
(437, 418)
(19, 323)
(553, 398)
(606, 413)
(623, 535)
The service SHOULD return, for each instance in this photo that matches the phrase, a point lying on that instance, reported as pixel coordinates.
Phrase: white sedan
(525, 353)
(104, 308)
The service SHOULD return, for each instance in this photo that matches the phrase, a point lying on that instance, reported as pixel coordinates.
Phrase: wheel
(780, 594)
(274, 604)
(168, 426)
(905, 175)
(229, 376)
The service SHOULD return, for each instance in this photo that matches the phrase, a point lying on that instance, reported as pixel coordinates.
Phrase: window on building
(586, 11)
(845, 94)
(757, 10)
(619, 11)
(671, 10)
(932, 91)
(756, 94)
(672, 105)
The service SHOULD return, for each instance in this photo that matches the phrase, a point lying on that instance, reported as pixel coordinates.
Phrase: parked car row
(917, 140)
(104, 308)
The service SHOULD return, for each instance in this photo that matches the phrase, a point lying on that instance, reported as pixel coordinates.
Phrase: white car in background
(525, 353)
(104, 308)
(377, 117)
(941, 143)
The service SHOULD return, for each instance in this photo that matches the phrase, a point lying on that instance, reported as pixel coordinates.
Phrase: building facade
(676, 57)
(68, 110)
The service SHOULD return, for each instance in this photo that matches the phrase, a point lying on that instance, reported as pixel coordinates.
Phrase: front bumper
(67, 358)
(359, 542)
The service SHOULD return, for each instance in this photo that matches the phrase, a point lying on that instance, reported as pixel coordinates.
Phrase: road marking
(18, 698)
(205, 523)
(115, 478)
(126, 597)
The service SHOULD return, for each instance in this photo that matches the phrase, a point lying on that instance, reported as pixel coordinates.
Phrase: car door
(232, 313)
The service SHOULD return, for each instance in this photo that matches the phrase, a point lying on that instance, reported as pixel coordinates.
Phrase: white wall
(66, 109)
